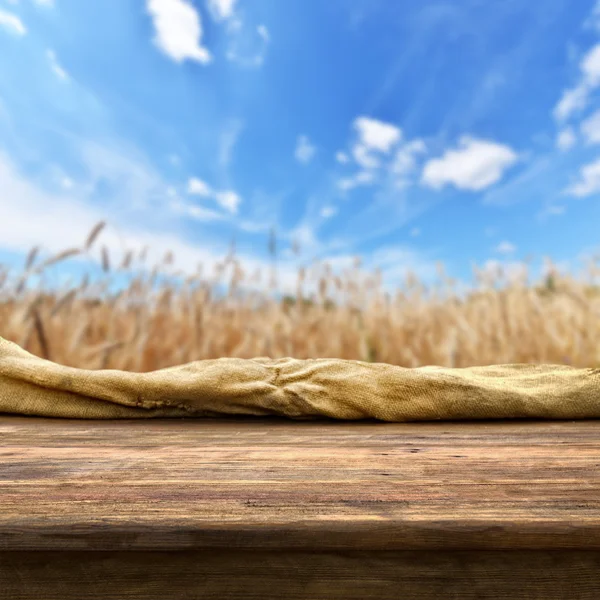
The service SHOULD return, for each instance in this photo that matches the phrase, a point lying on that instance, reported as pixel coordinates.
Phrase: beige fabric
(299, 389)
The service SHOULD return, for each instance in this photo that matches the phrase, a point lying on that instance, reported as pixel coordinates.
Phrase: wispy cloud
(328, 211)
(226, 199)
(55, 66)
(405, 159)
(540, 179)
(221, 10)
(198, 187)
(11, 23)
(593, 21)
(356, 180)
(566, 139)
(505, 247)
(576, 98)
(589, 180)
(305, 151)
(69, 217)
(263, 32)
(551, 210)
(178, 30)
(248, 46)
(590, 128)
(198, 213)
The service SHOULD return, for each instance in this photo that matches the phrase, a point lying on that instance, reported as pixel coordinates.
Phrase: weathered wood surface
(177, 484)
(220, 574)
(422, 506)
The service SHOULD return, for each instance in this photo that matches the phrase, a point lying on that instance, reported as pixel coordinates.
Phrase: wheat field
(146, 326)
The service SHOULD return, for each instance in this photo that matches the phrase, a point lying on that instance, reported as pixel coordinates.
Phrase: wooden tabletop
(251, 482)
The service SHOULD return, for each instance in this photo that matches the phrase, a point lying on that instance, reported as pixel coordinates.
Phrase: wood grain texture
(223, 508)
(272, 483)
(298, 575)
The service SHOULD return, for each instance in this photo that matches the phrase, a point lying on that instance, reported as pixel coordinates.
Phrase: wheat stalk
(93, 235)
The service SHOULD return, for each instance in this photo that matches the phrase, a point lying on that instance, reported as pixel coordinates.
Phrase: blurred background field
(155, 318)
(415, 183)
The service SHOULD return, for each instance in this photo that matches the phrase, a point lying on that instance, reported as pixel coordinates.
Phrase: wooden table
(269, 508)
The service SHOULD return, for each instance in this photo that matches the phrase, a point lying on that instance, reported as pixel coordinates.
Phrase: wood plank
(221, 574)
(269, 483)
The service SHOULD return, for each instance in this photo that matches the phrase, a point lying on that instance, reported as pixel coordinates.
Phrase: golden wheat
(145, 327)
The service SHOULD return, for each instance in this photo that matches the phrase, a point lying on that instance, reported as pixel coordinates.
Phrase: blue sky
(402, 132)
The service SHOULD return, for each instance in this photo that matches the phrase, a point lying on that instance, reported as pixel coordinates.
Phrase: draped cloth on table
(297, 389)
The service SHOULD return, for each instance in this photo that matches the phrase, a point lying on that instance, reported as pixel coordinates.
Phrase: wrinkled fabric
(298, 389)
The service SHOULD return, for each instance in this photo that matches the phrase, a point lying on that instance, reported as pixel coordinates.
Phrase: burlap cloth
(298, 389)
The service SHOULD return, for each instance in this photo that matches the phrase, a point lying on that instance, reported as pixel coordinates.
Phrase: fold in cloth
(298, 389)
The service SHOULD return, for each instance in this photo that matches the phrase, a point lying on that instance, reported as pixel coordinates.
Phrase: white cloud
(364, 158)
(566, 139)
(11, 23)
(228, 200)
(505, 248)
(248, 46)
(199, 213)
(55, 66)
(45, 3)
(405, 159)
(198, 187)
(590, 128)
(571, 101)
(263, 32)
(178, 30)
(590, 66)
(589, 180)
(234, 25)
(381, 155)
(304, 150)
(361, 178)
(474, 166)
(377, 135)
(69, 217)
(128, 181)
(576, 98)
(539, 179)
(415, 232)
(328, 211)
(221, 10)
(18, 231)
